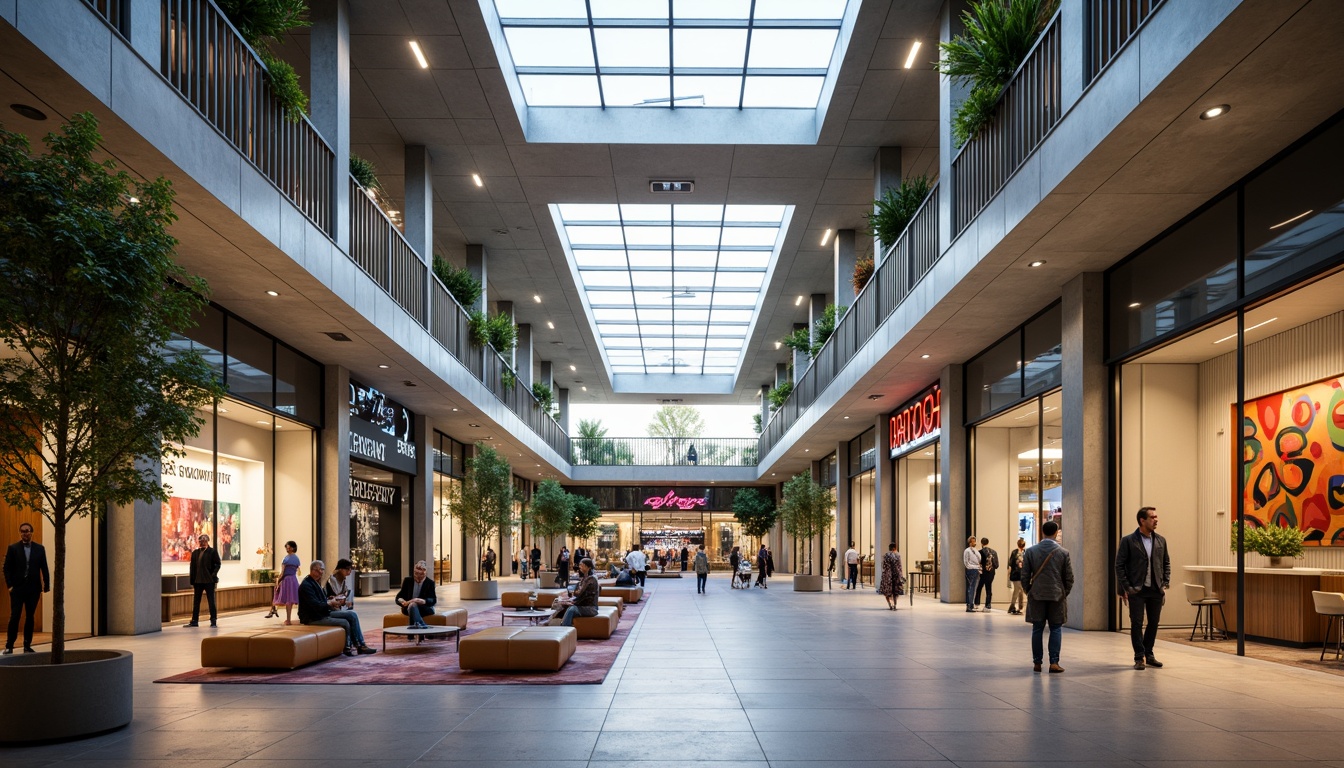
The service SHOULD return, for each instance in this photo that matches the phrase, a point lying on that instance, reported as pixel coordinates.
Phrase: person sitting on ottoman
(416, 597)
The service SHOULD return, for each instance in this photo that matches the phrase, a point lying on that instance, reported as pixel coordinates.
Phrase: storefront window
(1018, 472)
(251, 363)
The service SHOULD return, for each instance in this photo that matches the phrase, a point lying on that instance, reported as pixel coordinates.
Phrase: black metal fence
(1111, 24)
(664, 451)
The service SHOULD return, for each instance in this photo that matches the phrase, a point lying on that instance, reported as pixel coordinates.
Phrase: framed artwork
(183, 521)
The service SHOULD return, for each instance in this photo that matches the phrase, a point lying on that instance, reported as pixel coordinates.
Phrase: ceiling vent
(338, 336)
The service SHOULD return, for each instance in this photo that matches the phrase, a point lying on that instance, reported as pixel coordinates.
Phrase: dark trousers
(985, 585)
(21, 600)
(683, 563)
(642, 576)
(700, 580)
(1146, 604)
(209, 590)
(852, 582)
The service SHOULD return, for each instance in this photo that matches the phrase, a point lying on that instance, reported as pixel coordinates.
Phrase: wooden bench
(277, 648)
(518, 648)
(178, 604)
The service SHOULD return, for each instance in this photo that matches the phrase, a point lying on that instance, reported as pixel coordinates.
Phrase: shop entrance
(1019, 473)
(918, 514)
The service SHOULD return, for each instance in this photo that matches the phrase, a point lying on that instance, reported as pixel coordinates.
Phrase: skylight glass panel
(588, 258)
(629, 9)
(624, 47)
(707, 91)
(550, 46)
(635, 214)
(648, 236)
(711, 213)
(636, 90)
(542, 9)
(695, 48)
(697, 259)
(800, 9)
(791, 48)
(560, 90)
(801, 92)
(711, 9)
(642, 259)
(581, 236)
(604, 279)
(759, 236)
(690, 236)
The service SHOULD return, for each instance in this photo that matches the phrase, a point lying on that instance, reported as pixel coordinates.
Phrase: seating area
(453, 617)
(628, 594)
(279, 648)
(518, 648)
(599, 627)
(517, 598)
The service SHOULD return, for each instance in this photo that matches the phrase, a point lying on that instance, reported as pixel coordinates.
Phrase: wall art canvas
(1292, 461)
(183, 521)
(230, 544)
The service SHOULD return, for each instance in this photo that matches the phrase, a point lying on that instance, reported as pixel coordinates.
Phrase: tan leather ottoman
(628, 594)
(452, 617)
(520, 648)
(518, 598)
(599, 627)
(228, 650)
(614, 602)
(330, 640)
(282, 650)
(487, 649)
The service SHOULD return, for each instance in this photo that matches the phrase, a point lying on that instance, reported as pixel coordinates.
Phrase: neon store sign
(673, 501)
(917, 422)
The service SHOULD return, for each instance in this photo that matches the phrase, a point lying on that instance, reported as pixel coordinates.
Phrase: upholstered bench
(628, 594)
(518, 648)
(614, 602)
(599, 627)
(518, 598)
(277, 648)
(452, 617)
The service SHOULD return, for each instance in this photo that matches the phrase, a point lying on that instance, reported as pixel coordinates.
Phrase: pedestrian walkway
(748, 679)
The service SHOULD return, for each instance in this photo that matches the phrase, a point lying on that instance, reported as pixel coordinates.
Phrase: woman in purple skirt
(287, 594)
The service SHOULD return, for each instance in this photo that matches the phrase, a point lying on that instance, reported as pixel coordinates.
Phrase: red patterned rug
(432, 663)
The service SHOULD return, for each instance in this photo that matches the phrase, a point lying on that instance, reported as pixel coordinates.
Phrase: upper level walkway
(749, 680)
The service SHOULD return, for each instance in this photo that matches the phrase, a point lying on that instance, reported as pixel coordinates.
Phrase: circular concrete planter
(479, 590)
(90, 693)
(805, 583)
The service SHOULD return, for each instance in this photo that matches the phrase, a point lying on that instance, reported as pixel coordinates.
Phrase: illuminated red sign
(672, 500)
(918, 421)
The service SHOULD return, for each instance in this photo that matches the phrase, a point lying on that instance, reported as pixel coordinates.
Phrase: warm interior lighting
(1134, 305)
(1248, 330)
(1212, 112)
(585, 389)
(384, 365)
(550, 325)
(476, 177)
(1305, 213)
(798, 302)
(826, 237)
(846, 417)
(419, 55)
(914, 51)
(536, 298)
(1034, 454)
(923, 357)
(778, 344)
(272, 293)
(1035, 264)
(572, 368)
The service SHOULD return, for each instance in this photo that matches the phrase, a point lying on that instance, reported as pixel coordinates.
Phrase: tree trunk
(58, 592)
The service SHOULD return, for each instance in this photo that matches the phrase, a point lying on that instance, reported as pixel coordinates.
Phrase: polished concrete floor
(748, 679)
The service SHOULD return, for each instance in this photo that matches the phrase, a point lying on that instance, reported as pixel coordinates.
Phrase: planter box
(479, 590)
(90, 693)
(804, 583)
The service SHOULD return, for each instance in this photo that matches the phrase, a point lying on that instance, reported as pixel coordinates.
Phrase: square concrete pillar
(133, 566)
(765, 405)
(562, 400)
(478, 266)
(955, 523)
(886, 175)
(801, 360)
(334, 471)
(843, 250)
(884, 488)
(419, 206)
(522, 355)
(422, 494)
(844, 529)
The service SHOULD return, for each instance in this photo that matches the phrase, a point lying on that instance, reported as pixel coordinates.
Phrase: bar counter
(1279, 607)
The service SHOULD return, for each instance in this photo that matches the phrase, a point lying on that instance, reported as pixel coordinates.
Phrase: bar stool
(1196, 595)
(1331, 605)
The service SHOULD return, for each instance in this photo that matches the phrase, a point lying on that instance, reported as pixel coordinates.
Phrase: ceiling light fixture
(876, 397)
(846, 417)
(222, 410)
(585, 389)
(1307, 212)
(826, 237)
(1135, 304)
(476, 426)
(778, 344)
(798, 302)
(1036, 263)
(454, 410)
(923, 357)
(536, 298)
(572, 368)
(1248, 330)
(476, 177)
(550, 325)
(1212, 112)
(272, 293)
(419, 55)
(914, 51)
(384, 366)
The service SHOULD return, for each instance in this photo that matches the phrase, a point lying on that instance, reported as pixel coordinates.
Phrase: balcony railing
(905, 264)
(379, 249)
(1111, 24)
(206, 60)
(522, 402)
(664, 451)
(1026, 111)
(114, 12)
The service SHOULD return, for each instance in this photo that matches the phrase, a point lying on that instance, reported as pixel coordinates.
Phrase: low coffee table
(531, 615)
(421, 634)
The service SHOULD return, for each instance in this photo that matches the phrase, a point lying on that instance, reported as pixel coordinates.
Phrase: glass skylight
(671, 53)
(672, 288)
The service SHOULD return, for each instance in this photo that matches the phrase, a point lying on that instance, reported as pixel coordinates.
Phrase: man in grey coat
(1047, 577)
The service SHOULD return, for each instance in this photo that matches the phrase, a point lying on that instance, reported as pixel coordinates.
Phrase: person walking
(851, 567)
(562, 567)
(287, 591)
(1018, 598)
(685, 557)
(639, 564)
(989, 563)
(535, 558)
(1047, 578)
(892, 585)
(762, 567)
(1142, 576)
(204, 575)
(701, 569)
(26, 577)
(970, 559)
(488, 563)
(523, 562)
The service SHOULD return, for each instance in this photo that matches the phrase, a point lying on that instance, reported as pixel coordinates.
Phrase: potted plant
(483, 503)
(1273, 541)
(584, 519)
(460, 283)
(806, 512)
(863, 272)
(94, 394)
(545, 396)
(891, 215)
(755, 511)
(778, 395)
(262, 24)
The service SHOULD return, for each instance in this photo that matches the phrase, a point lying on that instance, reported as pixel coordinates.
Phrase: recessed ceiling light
(923, 357)
(1212, 112)
(32, 113)
(807, 450)
(272, 293)
(876, 397)
(778, 344)
(1036, 263)
(384, 365)
(550, 325)
(914, 51)
(798, 302)
(536, 298)
(585, 389)
(1135, 304)
(1248, 330)
(262, 421)
(477, 426)
(454, 410)
(572, 368)
(846, 417)
(476, 177)
(419, 55)
(826, 237)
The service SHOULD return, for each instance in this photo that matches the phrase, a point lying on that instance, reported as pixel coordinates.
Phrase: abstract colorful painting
(183, 521)
(1292, 463)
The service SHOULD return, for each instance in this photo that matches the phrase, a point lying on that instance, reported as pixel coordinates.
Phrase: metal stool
(1331, 605)
(1196, 595)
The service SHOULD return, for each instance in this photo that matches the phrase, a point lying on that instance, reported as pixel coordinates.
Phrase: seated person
(317, 609)
(584, 602)
(341, 585)
(624, 578)
(416, 597)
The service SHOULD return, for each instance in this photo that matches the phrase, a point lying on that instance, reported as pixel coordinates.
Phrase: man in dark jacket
(204, 575)
(316, 608)
(1142, 575)
(1047, 577)
(989, 564)
(27, 577)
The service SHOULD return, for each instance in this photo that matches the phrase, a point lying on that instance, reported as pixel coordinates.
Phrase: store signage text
(363, 490)
(917, 422)
(188, 472)
(672, 500)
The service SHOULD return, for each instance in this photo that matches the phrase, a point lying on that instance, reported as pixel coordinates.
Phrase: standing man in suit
(204, 576)
(1142, 575)
(27, 577)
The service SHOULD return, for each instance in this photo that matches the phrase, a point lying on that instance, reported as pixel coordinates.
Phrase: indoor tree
(806, 510)
(755, 511)
(483, 500)
(676, 424)
(550, 512)
(96, 390)
(586, 516)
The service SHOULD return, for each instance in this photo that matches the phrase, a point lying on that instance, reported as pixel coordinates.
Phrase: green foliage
(756, 423)
(1271, 540)
(367, 176)
(799, 340)
(778, 395)
(478, 328)
(551, 510)
(460, 283)
(676, 421)
(586, 516)
(92, 301)
(545, 397)
(825, 326)
(592, 446)
(508, 379)
(806, 510)
(998, 36)
(863, 272)
(891, 215)
(503, 334)
(483, 501)
(262, 23)
(755, 511)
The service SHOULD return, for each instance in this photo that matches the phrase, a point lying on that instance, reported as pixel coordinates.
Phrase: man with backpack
(989, 563)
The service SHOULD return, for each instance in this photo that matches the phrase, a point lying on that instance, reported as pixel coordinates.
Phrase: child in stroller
(742, 579)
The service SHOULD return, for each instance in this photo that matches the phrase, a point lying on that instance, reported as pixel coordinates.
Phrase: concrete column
(522, 355)
(146, 30)
(419, 207)
(546, 374)
(133, 564)
(950, 96)
(954, 524)
(1086, 435)
(1072, 52)
(801, 360)
(476, 265)
(781, 373)
(844, 530)
(884, 488)
(886, 175)
(329, 105)
(842, 247)
(334, 474)
(765, 405)
(562, 400)
(816, 307)
(422, 494)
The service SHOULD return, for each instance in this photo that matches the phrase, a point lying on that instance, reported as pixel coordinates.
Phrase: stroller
(742, 579)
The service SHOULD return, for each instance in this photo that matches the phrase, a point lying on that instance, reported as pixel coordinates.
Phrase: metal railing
(904, 265)
(1026, 111)
(664, 451)
(522, 402)
(448, 324)
(114, 12)
(1110, 25)
(208, 62)
(379, 249)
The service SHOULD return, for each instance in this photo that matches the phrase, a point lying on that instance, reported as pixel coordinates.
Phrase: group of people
(981, 566)
(741, 566)
(671, 555)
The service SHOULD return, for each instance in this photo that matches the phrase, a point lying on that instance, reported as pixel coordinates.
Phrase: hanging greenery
(892, 214)
(262, 23)
(825, 326)
(459, 281)
(778, 394)
(756, 423)
(365, 173)
(544, 394)
(863, 272)
(502, 332)
(476, 328)
(799, 341)
(998, 36)
(508, 379)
